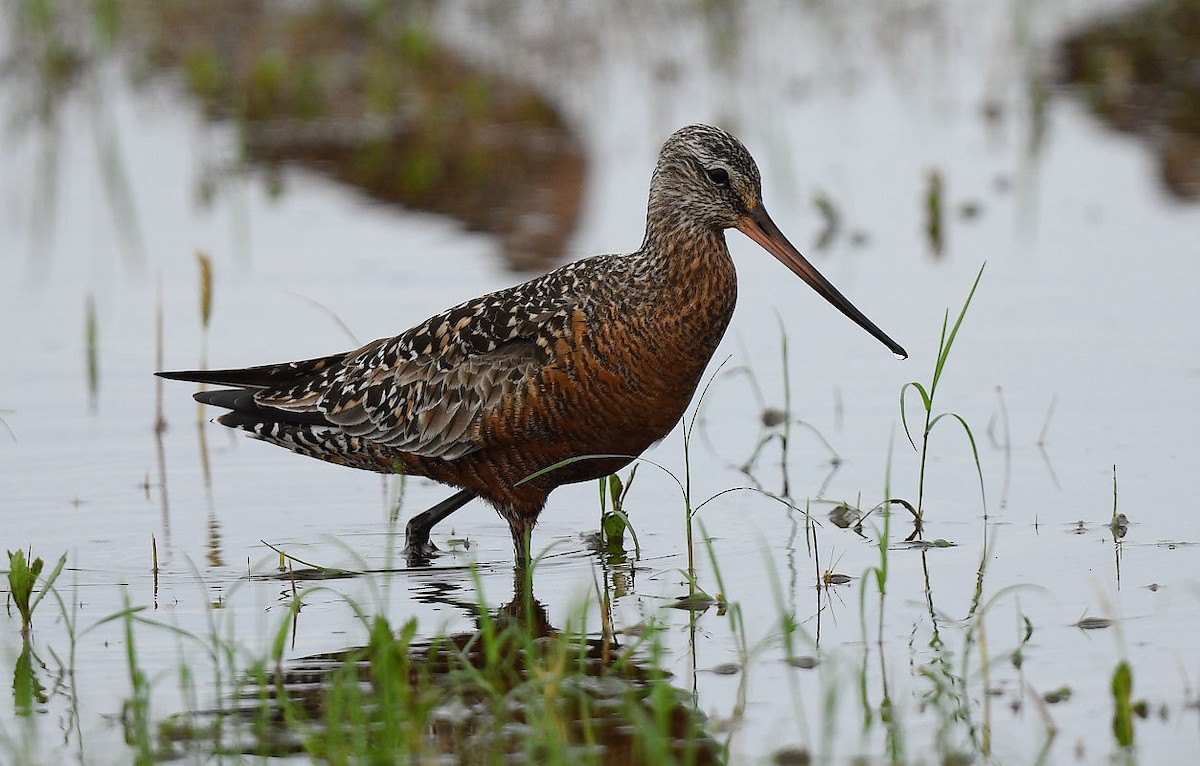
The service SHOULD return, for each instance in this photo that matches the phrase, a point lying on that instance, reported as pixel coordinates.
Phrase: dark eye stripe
(719, 176)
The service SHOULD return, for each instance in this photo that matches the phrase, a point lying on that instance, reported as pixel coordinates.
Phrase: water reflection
(368, 97)
(363, 95)
(1047, 271)
(1137, 71)
(29, 693)
(473, 696)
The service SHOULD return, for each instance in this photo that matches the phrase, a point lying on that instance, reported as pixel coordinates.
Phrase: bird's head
(706, 179)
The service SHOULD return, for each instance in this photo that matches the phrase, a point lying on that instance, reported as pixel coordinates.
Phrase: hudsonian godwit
(599, 357)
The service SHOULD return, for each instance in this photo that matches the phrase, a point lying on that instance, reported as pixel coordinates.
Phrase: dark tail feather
(265, 376)
(246, 412)
(305, 433)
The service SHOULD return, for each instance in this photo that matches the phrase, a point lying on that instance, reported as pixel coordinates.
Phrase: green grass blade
(318, 567)
(570, 461)
(49, 582)
(637, 547)
(925, 401)
(974, 449)
(1122, 688)
(948, 341)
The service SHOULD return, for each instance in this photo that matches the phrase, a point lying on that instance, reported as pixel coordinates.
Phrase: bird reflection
(482, 695)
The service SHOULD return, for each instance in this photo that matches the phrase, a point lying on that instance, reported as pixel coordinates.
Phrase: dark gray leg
(416, 534)
(521, 534)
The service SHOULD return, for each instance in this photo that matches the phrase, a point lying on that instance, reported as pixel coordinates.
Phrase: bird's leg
(416, 534)
(522, 531)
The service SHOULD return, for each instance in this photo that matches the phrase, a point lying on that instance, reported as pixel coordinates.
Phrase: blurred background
(231, 182)
(283, 180)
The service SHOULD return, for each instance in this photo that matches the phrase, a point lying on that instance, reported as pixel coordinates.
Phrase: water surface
(1081, 352)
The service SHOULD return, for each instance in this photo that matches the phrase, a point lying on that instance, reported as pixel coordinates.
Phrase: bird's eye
(719, 176)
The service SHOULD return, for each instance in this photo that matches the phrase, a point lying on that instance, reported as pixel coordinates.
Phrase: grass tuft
(23, 573)
(928, 395)
(615, 522)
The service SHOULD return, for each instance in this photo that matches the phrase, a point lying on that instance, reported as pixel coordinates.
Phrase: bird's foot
(419, 550)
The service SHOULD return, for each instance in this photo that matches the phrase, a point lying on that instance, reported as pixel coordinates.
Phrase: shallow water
(1081, 352)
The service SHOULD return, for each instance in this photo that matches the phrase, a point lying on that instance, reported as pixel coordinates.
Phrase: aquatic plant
(928, 395)
(23, 573)
(614, 522)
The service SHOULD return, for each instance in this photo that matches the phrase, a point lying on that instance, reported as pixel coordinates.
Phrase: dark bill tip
(758, 226)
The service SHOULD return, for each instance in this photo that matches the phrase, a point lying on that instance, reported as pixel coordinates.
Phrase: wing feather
(426, 405)
(427, 391)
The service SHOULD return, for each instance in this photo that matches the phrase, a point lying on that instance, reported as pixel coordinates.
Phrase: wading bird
(598, 357)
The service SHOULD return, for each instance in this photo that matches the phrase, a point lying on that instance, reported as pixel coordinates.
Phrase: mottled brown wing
(427, 405)
(428, 390)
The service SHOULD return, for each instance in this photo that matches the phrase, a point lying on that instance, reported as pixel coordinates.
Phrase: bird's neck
(693, 280)
(681, 293)
(682, 257)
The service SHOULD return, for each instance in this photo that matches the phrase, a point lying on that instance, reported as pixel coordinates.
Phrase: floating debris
(1093, 623)
(1119, 525)
(970, 210)
(1061, 694)
(772, 416)
(844, 516)
(834, 578)
(695, 602)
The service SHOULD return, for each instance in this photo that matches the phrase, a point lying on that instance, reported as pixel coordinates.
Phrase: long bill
(758, 226)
